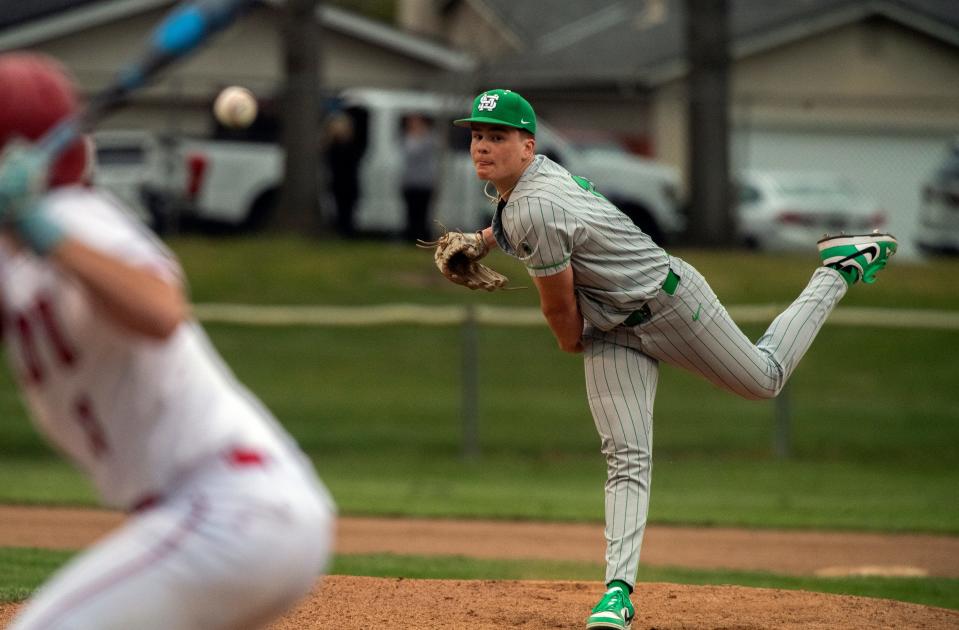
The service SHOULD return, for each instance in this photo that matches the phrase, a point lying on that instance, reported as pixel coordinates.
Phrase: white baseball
(235, 107)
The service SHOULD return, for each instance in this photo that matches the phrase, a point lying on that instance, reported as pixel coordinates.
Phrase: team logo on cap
(488, 102)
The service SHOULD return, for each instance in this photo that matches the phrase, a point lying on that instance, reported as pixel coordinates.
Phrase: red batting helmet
(35, 93)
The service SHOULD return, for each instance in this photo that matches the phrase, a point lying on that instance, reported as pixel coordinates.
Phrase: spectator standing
(343, 159)
(419, 175)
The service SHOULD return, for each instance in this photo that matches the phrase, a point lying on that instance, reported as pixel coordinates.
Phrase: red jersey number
(39, 324)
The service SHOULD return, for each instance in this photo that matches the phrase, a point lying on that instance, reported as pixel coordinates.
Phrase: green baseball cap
(501, 107)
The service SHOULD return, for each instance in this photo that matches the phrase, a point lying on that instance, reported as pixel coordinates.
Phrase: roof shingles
(563, 45)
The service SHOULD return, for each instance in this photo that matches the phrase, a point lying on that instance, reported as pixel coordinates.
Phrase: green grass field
(874, 411)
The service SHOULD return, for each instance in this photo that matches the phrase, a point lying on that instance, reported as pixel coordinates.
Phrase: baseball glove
(457, 255)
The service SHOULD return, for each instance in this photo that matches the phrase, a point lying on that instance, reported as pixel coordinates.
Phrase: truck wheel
(158, 208)
(261, 211)
(641, 217)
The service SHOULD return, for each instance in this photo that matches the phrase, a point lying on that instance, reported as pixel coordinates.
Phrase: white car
(645, 190)
(139, 168)
(939, 211)
(791, 210)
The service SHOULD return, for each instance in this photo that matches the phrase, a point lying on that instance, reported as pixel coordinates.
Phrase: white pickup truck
(167, 180)
(236, 183)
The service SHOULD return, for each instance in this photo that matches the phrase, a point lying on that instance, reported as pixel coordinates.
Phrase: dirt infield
(357, 602)
(347, 602)
(360, 602)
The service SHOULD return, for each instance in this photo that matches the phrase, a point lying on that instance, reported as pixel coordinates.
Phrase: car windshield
(121, 155)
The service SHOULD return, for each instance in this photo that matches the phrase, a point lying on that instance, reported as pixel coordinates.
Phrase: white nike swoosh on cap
(523, 122)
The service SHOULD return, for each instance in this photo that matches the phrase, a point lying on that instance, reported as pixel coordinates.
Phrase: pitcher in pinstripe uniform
(608, 291)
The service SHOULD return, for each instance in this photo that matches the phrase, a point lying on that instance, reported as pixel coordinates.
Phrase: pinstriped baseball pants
(691, 330)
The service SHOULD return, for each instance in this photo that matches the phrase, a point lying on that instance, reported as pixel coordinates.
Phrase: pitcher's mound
(399, 604)
(346, 603)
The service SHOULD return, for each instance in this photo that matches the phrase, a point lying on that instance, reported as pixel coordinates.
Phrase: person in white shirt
(229, 524)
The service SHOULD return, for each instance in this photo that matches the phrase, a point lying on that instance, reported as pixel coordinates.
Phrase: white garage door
(888, 167)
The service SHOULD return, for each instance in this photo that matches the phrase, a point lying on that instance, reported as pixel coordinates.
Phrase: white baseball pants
(691, 330)
(233, 548)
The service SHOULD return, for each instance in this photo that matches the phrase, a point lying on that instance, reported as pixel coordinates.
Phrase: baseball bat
(182, 31)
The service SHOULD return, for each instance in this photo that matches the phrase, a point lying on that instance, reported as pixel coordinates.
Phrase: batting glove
(23, 179)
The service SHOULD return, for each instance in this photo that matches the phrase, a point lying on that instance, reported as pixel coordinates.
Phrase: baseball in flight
(235, 107)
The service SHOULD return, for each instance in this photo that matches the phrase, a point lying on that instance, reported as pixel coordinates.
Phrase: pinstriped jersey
(553, 220)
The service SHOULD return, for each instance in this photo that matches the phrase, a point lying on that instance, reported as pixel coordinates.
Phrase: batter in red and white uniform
(230, 525)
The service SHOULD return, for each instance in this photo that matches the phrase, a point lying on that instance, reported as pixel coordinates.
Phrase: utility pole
(711, 219)
(299, 203)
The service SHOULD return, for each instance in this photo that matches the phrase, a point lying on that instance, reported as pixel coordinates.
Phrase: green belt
(643, 314)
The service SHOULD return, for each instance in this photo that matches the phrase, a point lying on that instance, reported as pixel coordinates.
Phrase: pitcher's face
(500, 154)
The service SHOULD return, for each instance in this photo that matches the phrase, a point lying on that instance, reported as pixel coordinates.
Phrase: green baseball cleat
(857, 256)
(614, 611)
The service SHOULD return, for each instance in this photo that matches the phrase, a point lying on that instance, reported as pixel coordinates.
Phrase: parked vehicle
(782, 210)
(939, 209)
(135, 166)
(643, 189)
(232, 183)
(236, 183)
(165, 180)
